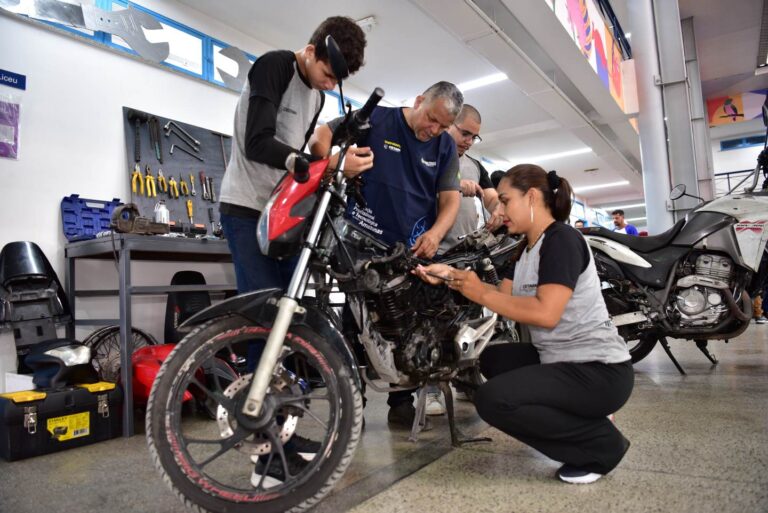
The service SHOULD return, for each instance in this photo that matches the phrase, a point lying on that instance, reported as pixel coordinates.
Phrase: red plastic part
(288, 194)
(146, 364)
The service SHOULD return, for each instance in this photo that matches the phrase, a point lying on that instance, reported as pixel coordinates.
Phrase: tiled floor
(699, 444)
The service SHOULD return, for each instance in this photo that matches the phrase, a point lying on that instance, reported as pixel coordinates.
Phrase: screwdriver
(189, 211)
(210, 219)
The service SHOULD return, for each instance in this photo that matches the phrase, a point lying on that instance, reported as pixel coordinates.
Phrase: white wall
(735, 160)
(72, 141)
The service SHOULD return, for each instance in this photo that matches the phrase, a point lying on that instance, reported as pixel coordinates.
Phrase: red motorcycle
(305, 380)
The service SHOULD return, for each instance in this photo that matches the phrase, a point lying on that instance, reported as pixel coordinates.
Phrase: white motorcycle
(693, 281)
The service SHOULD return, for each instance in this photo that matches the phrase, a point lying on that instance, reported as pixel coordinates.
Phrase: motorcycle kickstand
(457, 437)
(420, 419)
(702, 345)
(665, 345)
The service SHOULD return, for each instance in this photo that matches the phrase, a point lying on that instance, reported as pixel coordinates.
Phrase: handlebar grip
(301, 170)
(373, 100)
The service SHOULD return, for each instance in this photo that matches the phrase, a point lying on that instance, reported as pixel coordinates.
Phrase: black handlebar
(301, 169)
(364, 114)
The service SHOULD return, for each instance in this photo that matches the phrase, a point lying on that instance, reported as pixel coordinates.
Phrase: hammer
(137, 118)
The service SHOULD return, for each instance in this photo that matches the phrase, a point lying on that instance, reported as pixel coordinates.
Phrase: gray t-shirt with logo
(468, 217)
(585, 332)
(248, 183)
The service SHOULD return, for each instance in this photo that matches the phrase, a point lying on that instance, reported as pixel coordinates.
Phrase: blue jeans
(253, 270)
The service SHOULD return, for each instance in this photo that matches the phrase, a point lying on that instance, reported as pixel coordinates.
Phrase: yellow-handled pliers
(151, 187)
(173, 189)
(136, 178)
(184, 186)
(162, 184)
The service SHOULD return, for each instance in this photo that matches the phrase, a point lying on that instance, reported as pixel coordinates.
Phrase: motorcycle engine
(699, 300)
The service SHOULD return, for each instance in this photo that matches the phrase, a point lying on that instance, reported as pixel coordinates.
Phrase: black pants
(558, 409)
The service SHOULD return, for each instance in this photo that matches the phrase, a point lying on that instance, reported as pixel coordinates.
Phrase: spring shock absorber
(489, 272)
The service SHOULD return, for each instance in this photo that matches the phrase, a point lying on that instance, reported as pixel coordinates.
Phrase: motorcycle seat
(635, 243)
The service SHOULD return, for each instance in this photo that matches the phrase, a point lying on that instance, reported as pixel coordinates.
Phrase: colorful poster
(726, 110)
(9, 128)
(582, 20)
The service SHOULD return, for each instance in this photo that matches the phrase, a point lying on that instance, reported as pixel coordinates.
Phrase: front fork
(289, 304)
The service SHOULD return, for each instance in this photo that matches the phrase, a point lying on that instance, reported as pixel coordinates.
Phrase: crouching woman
(555, 394)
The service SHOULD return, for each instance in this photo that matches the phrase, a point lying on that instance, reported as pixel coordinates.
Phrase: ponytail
(557, 192)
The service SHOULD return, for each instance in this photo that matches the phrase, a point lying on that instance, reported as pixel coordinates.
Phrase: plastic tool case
(37, 422)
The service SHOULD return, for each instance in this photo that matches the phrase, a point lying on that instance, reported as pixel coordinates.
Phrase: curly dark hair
(348, 35)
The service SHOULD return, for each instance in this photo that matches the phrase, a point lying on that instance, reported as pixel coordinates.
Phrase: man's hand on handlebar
(358, 160)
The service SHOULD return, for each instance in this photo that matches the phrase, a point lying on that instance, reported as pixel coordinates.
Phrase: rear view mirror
(678, 192)
(337, 60)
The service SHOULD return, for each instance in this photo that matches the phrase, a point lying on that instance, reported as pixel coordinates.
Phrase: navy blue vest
(401, 189)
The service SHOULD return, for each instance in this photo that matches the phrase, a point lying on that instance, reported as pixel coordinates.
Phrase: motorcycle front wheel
(237, 463)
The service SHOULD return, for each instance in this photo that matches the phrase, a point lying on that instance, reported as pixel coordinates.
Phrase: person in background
(579, 223)
(496, 177)
(620, 225)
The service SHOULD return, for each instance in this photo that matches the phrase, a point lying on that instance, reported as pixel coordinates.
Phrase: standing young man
(275, 116)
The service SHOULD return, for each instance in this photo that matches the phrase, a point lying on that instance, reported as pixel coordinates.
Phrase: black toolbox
(36, 422)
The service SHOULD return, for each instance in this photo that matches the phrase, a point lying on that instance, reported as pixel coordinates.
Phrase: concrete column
(653, 147)
(702, 146)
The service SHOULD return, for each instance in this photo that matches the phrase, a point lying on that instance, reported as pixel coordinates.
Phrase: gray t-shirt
(248, 183)
(585, 332)
(468, 217)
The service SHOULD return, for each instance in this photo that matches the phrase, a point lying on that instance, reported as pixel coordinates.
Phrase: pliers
(151, 187)
(136, 178)
(162, 184)
(184, 186)
(173, 189)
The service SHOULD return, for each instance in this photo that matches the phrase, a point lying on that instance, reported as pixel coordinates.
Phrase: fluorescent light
(552, 156)
(480, 82)
(635, 218)
(621, 207)
(601, 186)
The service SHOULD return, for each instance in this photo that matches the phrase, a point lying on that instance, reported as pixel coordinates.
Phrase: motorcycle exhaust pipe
(735, 309)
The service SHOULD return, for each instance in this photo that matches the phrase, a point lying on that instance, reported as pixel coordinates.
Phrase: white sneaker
(434, 405)
(460, 396)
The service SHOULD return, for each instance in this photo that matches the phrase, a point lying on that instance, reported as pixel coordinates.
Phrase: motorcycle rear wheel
(642, 347)
(222, 481)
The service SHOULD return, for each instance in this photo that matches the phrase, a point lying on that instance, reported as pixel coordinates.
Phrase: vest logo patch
(288, 110)
(529, 286)
(391, 146)
(428, 163)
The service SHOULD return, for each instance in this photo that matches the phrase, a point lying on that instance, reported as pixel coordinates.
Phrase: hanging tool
(154, 138)
(151, 187)
(210, 189)
(184, 140)
(223, 153)
(189, 212)
(204, 185)
(136, 178)
(173, 189)
(192, 183)
(174, 146)
(162, 183)
(210, 219)
(171, 123)
(183, 186)
(137, 118)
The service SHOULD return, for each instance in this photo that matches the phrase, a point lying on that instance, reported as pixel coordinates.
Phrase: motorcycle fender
(618, 252)
(256, 307)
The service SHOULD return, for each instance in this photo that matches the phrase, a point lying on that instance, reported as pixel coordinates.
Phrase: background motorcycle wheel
(201, 485)
(642, 347)
(105, 349)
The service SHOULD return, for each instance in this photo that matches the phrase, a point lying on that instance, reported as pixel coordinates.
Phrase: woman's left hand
(468, 284)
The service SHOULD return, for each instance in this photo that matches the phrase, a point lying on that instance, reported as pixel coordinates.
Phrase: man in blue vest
(412, 191)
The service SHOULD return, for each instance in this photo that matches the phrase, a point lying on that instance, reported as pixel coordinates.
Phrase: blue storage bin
(83, 218)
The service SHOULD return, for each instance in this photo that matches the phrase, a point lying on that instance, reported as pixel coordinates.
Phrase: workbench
(125, 248)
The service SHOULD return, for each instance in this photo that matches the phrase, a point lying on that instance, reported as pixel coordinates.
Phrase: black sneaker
(576, 475)
(402, 415)
(305, 447)
(275, 473)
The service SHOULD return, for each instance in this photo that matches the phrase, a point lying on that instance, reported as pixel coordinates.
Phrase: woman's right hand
(434, 269)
